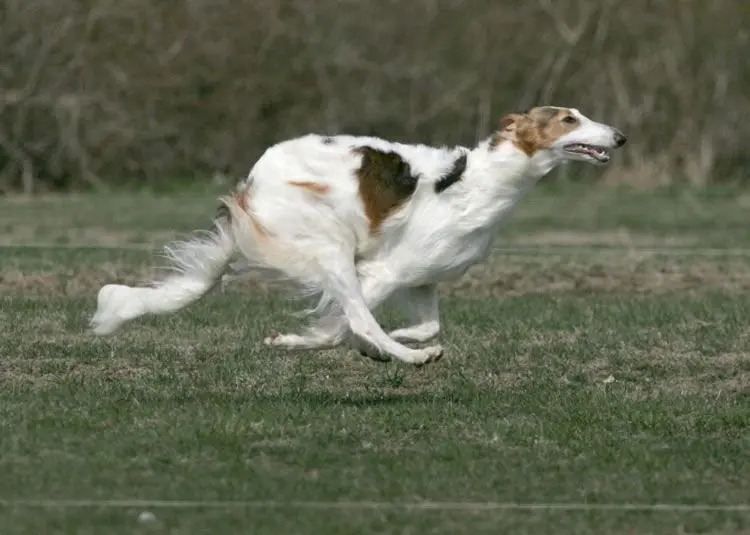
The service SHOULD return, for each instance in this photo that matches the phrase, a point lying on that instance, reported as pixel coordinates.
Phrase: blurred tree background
(99, 92)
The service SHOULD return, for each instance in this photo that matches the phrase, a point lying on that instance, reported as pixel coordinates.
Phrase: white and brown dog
(360, 221)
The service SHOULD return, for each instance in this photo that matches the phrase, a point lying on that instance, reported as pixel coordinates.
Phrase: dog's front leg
(422, 310)
(356, 299)
(331, 328)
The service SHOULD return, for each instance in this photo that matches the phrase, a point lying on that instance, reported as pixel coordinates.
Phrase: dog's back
(348, 189)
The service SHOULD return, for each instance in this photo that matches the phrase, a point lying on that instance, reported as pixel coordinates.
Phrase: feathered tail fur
(197, 265)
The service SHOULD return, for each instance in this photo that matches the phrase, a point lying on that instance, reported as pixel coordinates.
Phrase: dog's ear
(509, 125)
(510, 121)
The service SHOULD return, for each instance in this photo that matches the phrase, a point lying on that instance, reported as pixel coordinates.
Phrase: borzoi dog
(358, 221)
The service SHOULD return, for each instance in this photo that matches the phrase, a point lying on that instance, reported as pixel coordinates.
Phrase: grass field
(601, 357)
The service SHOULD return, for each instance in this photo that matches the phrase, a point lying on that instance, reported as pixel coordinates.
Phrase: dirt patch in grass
(669, 370)
(601, 274)
(619, 238)
(694, 373)
(44, 372)
(69, 281)
(14, 235)
(644, 362)
(91, 236)
(75, 283)
(502, 277)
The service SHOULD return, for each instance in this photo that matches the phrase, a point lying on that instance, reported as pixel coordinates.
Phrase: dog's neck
(501, 174)
(502, 170)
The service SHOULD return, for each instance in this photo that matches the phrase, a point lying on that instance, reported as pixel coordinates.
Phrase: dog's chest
(451, 257)
(440, 241)
(461, 242)
(440, 256)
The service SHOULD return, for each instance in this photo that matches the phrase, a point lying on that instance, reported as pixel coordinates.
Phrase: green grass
(605, 377)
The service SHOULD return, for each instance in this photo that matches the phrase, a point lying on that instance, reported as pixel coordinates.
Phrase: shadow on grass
(375, 397)
(372, 398)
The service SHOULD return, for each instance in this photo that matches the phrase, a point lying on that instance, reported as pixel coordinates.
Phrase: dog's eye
(570, 119)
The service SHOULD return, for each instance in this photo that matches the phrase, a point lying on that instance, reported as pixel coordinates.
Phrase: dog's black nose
(620, 139)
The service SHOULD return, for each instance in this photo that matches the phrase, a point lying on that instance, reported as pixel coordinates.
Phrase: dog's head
(565, 132)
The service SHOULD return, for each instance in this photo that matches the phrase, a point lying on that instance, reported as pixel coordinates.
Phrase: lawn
(601, 357)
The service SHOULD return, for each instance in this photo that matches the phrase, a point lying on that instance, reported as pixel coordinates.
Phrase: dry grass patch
(47, 234)
(46, 372)
(504, 275)
(602, 273)
(69, 281)
(613, 238)
(692, 372)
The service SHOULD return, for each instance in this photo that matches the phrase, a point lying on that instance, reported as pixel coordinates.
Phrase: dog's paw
(375, 355)
(273, 339)
(370, 351)
(428, 355)
(286, 341)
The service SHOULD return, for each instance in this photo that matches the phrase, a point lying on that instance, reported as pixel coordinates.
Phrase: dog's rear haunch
(359, 221)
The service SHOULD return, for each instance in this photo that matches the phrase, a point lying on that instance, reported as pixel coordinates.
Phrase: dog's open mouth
(600, 154)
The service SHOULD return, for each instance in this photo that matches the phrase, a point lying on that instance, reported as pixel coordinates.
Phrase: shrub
(100, 91)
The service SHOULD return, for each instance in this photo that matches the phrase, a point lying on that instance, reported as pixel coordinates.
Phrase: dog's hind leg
(339, 279)
(330, 328)
(358, 307)
(325, 332)
(362, 298)
(370, 337)
(422, 309)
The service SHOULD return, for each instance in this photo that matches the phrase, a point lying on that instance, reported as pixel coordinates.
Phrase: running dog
(358, 221)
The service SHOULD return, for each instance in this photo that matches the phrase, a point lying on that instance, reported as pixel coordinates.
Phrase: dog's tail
(197, 265)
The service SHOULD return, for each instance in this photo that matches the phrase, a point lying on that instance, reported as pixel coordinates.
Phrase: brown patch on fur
(508, 130)
(259, 229)
(536, 129)
(242, 197)
(317, 189)
(386, 182)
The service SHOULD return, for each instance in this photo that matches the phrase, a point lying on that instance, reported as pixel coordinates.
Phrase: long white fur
(323, 241)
